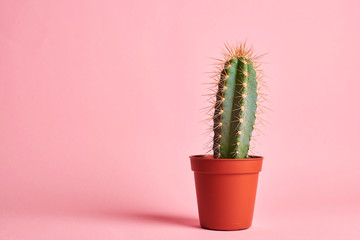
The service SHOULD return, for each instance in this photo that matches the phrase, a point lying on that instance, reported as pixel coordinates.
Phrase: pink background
(100, 108)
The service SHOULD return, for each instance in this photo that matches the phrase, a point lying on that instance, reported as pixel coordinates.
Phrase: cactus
(236, 104)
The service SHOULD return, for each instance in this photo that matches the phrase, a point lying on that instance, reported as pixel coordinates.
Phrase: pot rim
(210, 157)
(209, 165)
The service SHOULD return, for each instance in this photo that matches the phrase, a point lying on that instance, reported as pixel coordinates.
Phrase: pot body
(226, 190)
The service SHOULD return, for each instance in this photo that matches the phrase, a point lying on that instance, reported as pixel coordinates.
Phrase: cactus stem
(235, 102)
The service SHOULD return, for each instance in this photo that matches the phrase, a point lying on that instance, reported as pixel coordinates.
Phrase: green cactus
(235, 106)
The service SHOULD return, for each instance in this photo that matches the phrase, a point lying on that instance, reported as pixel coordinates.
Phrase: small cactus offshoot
(236, 102)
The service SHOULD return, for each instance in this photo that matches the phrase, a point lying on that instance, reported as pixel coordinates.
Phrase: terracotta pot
(226, 190)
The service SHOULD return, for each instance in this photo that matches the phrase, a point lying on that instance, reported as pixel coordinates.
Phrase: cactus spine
(235, 105)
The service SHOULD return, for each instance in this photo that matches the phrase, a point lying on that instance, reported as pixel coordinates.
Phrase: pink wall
(99, 102)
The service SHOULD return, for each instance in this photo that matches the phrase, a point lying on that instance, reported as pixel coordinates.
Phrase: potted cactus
(226, 181)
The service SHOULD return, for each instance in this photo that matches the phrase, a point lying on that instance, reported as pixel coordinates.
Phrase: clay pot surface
(226, 190)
